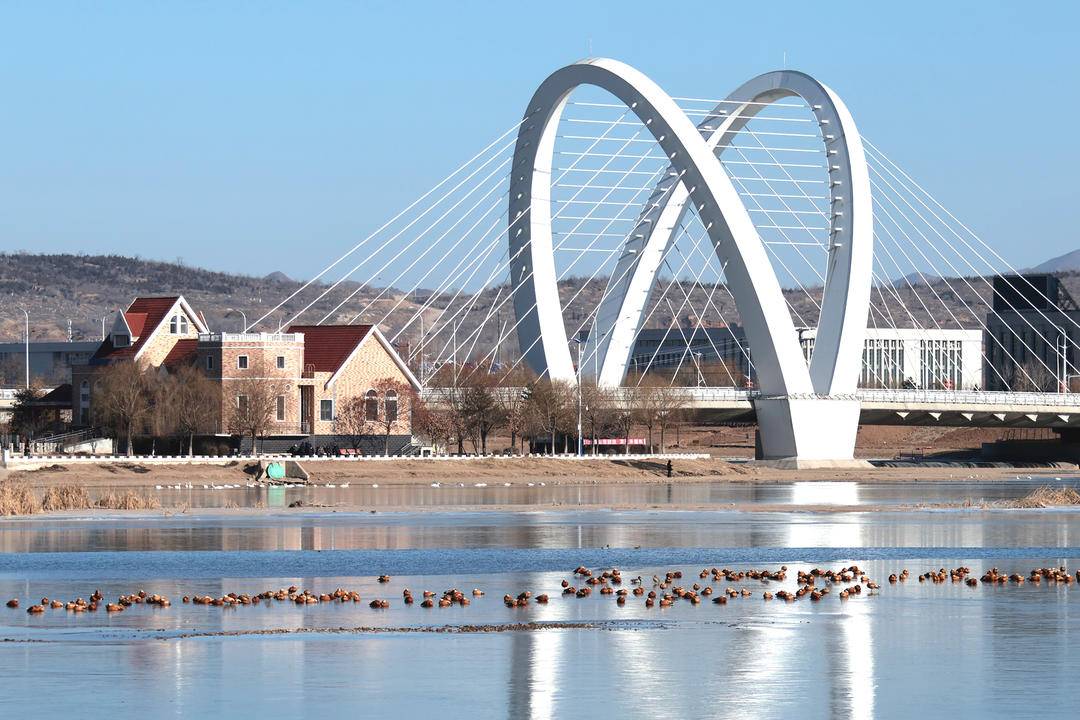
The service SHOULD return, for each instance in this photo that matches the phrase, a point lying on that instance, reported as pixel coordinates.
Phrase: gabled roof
(59, 396)
(328, 348)
(182, 353)
(143, 317)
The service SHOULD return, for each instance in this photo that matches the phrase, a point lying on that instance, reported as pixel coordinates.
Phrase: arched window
(178, 325)
(371, 405)
(391, 405)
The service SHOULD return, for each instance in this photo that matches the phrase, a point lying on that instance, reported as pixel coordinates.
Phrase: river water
(909, 649)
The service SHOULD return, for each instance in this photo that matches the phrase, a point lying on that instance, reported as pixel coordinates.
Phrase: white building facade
(930, 359)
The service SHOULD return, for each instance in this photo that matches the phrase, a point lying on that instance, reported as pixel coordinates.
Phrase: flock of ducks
(664, 591)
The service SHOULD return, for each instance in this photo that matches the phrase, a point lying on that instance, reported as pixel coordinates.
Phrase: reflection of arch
(371, 405)
(835, 365)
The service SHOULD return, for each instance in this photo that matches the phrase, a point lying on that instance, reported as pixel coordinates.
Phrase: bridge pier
(806, 431)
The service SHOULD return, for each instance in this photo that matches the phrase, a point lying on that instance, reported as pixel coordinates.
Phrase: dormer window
(178, 325)
(121, 341)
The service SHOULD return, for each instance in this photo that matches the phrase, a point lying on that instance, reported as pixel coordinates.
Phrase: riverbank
(515, 471)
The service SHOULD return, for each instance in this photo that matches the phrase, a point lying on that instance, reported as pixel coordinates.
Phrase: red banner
(615, 441)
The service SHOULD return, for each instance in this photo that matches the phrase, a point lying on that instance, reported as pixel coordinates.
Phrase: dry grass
(65, 497)
(16, 498)
(127, 501)
(1047, 496)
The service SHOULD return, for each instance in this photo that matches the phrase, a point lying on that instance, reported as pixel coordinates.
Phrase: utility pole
(422, 338)
(455, 355)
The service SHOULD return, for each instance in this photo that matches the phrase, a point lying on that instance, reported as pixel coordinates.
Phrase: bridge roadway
(899, 407)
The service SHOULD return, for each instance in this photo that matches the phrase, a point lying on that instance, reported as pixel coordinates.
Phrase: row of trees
(478, 401)
(184, 403)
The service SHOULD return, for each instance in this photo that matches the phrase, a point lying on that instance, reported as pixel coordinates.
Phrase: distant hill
(85, 288)
(1069, 262)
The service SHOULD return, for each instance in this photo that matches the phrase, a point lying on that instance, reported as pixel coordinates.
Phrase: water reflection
(589, 529)
(546, 495)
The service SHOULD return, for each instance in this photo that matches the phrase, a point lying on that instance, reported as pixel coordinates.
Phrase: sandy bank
(514, 471)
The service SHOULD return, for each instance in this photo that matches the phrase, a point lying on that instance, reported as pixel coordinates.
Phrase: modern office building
(892, 357)
(1031, 335)
(50, 360)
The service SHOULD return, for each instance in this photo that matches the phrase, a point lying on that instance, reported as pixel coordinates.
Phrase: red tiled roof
(327, 347)
(153, 310)
(135, 321)
(182, 353)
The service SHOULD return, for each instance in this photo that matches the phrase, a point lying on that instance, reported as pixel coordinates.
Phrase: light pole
(1061, 370)
(243, 315)
(27, 347)
(103, 319)
(580, 445)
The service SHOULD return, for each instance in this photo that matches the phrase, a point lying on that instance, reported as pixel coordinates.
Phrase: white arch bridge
(613, 211)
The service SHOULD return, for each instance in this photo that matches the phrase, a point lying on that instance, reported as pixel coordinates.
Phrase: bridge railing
(970, 397)
(930, 397)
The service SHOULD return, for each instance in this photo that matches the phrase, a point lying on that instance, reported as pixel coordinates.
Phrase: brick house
(316, 369)
(146, 333)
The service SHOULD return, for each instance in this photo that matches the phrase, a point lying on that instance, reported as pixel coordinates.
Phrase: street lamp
(27, 347)
(243, 315)
(103, 319)
(580, 446)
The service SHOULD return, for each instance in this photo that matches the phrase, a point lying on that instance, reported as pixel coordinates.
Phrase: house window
(242, 362)
(391, 405)
(326, 409)
(242, 403)
(178, 325)
(281, 362)
(281, 408)
(209, 362)
(121, 340)
(371, 405)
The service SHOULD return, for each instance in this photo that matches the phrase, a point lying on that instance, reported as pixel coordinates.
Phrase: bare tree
(671, 403)
(255, 403)
(513, 403)
(480, 407)
(622, 421)
(351, 421)
(436, 423)
(122, 400)
(398, 399)
(549, 407)
(192, 403)
(597, 410)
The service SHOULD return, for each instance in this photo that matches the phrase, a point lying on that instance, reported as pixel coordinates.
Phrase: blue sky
(260, 136)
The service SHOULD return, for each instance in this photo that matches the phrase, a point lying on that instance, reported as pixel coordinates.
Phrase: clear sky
(259, 136)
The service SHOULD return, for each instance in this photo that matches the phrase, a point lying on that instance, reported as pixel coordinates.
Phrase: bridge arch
(804, 413)
(835, 364)
(781, 369)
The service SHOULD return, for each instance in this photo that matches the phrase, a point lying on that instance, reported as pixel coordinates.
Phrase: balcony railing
(251, 337)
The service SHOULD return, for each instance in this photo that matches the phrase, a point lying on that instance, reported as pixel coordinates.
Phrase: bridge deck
(903, 407)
